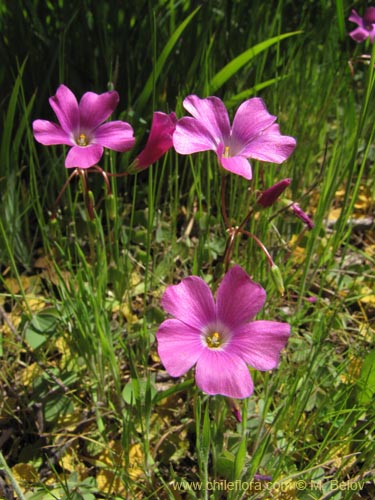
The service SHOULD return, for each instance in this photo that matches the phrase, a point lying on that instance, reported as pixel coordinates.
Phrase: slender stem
(88, 200)
(57, 201)
(123, 174)
(229, 248)
(105, 175)
(8, 472)
(223, 203)
(260, 245)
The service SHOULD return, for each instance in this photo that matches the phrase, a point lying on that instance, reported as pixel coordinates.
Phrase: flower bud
(111, 206)
(302, 215)
(159, 141)
(270, 195)
(277, 279)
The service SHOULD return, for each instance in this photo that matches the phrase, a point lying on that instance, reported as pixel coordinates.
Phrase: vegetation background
(87, 410)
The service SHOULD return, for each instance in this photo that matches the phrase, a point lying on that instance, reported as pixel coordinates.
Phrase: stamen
(226, 152)
(214, 340)
(82, 140)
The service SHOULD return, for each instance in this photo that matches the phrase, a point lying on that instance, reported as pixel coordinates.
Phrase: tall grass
(91, 409)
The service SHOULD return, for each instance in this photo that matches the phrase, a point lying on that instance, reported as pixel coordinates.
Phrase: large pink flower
(366, 25)
(254, 133)
(82, 127)
(220, 338)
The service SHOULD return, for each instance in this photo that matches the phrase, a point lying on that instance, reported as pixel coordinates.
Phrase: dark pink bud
(302, 215)
(270, 195)
(369, 16)
(159, 140)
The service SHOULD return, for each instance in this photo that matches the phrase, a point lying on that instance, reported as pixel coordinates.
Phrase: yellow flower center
(226, 153)
(82, 140)
(214, 340)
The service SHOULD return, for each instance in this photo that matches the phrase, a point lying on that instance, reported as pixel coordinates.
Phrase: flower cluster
(219, 338)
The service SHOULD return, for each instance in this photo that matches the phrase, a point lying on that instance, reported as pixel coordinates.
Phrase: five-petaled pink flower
(220, 338)
(82, 127)
(254, 133)
(159, 141)
(366, 25)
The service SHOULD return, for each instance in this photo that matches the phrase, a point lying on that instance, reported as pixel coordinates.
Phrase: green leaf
(41, 327)
(238, 62)
(147, 90)
(239, 461)
(366, 381)
(245, 94)
(225, 464)
(58, 405)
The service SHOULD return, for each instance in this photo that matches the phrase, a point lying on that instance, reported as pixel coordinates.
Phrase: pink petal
(259, 343)
(250, 120)
(115, 135)
(355, 18)
(192, 136)
(270, 145)
(160, 139)
(372, 33)
(191, 302)
(84, 157)
(179, 346)
(359, 34)
(49, 133)
(96, 108)
(238, 299)
(238, 165)
(212, 113)
(220, 372)
(65, 106)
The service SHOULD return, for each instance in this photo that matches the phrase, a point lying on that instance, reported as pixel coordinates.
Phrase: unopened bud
(277, 279)
(297, 210)
(90, 204)
(270, 195)
(111, 206)
(302, 215)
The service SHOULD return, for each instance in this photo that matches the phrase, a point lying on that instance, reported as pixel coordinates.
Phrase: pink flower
(254, 134)
(159, 141)
(270, 195)
(82, 127)
(219, 338)
(366, 25)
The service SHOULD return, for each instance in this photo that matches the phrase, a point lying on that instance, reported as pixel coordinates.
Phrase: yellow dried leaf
(299, 253)
(369, 250)
(69, 421)
(353, 371)
(341, 460)
(108, 482)
(29, 374)
(25, 475)
(35, 304)
(15, 319)
(113, 455)
(14, 286)
(136, 458)
(368, 296)
(64, 348)
(126, 312)
(334, 214)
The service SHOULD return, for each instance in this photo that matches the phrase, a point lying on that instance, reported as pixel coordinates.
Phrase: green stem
(8, 472)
